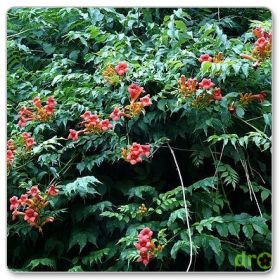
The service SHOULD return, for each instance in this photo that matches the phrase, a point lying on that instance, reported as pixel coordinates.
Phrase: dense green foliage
(224, 157)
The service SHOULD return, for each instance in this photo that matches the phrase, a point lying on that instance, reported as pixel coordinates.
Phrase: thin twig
(231, 243)
(14, 35)
(179, 149)
(254, 170)
(184, 150)
(63, 170)
(219, 14)
(186, 207)
(254, 119)
(227, 201)
(250, 186)
(216, 171)
(259, 131)
(214, 160)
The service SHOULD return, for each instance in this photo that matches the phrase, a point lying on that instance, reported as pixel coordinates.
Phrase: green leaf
(259, 225)
(140, 190)
(265, 194)
(177, 214)
(240, 112)
(180, 245)
(36, 263)
(205, 67)
(82, 238)
(95, 256)
(222, 229)
(82, 186)
(76, 268)
(205, 184)
(248, 231)
(236, 67)
(215, 245)
(48, 48)
(245, 69)
(234, 228)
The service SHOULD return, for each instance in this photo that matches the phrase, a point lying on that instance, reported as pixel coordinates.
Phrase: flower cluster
(263, 47)
(216, 59)
(10, 158)
(114, 74)
(38, 112)
(121, 68)
(135, 153)
(205, 57)
(29, 141)
(247, 98)
(145, 245)
(135, 107)
(187, 87)
(263, 43)
(142, 209)
(20, 146)
(11, 148)
(31, 206)
(202, 93)
(92, 124)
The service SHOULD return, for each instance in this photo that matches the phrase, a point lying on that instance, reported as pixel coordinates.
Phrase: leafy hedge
(97, 198)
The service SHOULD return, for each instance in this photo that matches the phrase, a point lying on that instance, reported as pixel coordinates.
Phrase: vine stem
(63, 170)
(259, 131)
(216, 171)
(251, 189)
(14, 35)
(186, 207)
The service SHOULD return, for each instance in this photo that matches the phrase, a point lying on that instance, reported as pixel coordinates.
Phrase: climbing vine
(138, 139)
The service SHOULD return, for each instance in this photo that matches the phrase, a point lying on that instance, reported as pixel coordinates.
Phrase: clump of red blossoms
(31, 206)
(111, 75)
(135, 91)
(258, 32)
(205, 57)
(263, 46)
(29, 141)
(19, 147)
(146, 101)
(11, 145)
(114, 75)
(121, 68)
(38, 112)
(92, 124)
(217, 94)
(135, 107)
(247, 98)
(11, 148)
(187, 87)
(146, 246)
(218, 58)
(52, 190)
(10, 158)
(200, 98)
(116, 114)
(206, 84)
(135, 153)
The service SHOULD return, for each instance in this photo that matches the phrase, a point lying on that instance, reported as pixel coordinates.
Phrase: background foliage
(62, 52)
